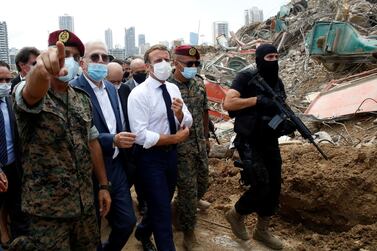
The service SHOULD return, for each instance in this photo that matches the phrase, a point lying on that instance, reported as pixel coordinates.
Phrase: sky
(30, 21)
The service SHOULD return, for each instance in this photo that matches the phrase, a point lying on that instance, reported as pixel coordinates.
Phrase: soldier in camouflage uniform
(192, 179)
(59, 152)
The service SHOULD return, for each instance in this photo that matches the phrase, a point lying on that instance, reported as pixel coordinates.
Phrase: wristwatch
(105, 186)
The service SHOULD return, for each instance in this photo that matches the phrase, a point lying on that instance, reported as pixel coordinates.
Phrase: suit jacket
(130, 83)
(15, 81)
(105, 137)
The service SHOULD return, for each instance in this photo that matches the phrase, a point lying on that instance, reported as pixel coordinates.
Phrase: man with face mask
(192, 180)
(138, 73)
(60, 151)
(257, 145)
(109, 119)
(160, 120)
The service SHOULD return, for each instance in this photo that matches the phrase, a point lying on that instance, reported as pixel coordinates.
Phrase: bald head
(137, 63)
(114, 73)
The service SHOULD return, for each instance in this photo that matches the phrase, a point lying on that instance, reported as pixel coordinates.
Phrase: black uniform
(258, 147)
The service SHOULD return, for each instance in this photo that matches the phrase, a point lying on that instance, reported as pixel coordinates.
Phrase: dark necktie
(3, 139)
(169, 111)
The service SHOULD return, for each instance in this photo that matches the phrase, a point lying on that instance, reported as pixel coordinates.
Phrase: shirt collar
(154, 83)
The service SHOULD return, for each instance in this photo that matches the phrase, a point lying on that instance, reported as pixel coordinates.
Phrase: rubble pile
(330, 205)
(288, 30)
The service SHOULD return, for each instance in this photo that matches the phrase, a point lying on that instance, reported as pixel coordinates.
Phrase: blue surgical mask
(5, 89)
(72, 67)
(189, 72)
(97, 72)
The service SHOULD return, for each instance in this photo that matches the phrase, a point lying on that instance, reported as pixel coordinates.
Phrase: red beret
(67, 38)
(187, 50)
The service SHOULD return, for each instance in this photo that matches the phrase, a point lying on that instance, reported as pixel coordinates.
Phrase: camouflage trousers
(60, 234)
(192, 183)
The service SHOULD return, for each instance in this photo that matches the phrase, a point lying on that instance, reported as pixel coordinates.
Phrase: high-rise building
(66, 22)
(118, 53)
(109, 38)
(143, 48)
(4, 50)
(12, 58)
(253, 15)
(141, 40)
(220, 27)
(130, 42)
(194, 38)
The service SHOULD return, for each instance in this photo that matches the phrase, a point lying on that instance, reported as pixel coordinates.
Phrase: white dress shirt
(147, 112)
(107, 109)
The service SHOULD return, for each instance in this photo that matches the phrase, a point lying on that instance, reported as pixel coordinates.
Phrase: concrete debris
(303, 76)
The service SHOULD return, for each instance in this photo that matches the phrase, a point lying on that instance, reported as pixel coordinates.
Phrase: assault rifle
(287, 113)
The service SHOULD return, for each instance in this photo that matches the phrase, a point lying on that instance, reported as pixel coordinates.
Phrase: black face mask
(139, 77)
(269, 70)
(126, 74)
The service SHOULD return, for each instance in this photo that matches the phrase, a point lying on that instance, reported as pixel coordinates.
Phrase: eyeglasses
(7, 80)
(191, 63)
(95, 57)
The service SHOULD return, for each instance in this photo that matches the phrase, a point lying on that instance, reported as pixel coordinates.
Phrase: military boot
(236, 221)
(262, 234)
(190, 243)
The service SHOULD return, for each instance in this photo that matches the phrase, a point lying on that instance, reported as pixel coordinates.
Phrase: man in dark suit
(114, 76)
(108, 120)
(10, 165)
(138, 73)
(25, 59)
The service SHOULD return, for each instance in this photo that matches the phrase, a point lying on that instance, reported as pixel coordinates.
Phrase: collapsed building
(328, 64)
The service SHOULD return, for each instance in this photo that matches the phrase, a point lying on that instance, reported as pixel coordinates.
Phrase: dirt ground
(325, 205)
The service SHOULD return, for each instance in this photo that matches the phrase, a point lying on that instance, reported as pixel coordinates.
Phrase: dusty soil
(325, 205)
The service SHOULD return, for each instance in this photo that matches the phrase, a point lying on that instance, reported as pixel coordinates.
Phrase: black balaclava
(269, 70)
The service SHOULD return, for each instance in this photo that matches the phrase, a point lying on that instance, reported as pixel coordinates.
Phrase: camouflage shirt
(57, 167)
(195, 97)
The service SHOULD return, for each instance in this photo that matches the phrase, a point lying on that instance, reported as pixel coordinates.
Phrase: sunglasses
(95, 57)
(7, 80)
(191, 63)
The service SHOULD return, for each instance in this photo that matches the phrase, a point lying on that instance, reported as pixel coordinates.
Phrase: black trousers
(262, 162)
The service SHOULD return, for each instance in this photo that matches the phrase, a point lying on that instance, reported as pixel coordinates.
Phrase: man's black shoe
(148, 245)
(145, 241)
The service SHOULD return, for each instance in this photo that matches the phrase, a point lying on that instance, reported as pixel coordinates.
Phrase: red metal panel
(355, 96)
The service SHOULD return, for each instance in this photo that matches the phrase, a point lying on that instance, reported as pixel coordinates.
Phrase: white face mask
(162, 70)
(5, 89)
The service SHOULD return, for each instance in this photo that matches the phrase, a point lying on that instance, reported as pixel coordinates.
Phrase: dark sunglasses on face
(95, 57)
(191, 63)
(7, 80)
